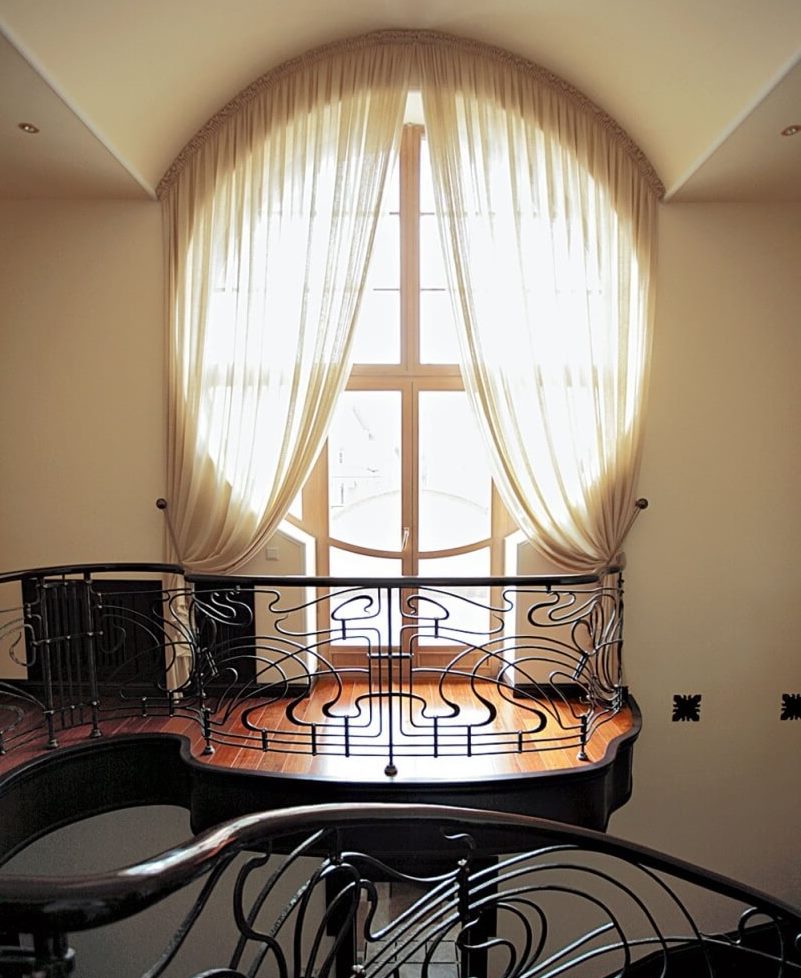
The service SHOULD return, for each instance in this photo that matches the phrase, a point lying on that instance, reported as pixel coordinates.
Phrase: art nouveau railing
(315, 892)
(399, 667)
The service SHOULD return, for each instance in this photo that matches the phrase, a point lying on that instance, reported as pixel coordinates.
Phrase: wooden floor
(238, 739)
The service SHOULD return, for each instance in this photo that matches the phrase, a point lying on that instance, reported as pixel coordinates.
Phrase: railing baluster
(206, 714)
(390, 770)
(89, 617)
(47, 673)
(582, 754)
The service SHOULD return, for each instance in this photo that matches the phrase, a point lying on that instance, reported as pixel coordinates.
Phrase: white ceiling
(118, 86)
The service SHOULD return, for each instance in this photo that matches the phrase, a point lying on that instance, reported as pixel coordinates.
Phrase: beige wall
(81, 403)
(714, 575)
(714, 572)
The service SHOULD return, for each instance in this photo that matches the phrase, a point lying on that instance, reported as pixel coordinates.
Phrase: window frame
(410, 378)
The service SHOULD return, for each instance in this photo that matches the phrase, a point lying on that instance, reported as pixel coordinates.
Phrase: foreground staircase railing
(337, 891)
(400, 667)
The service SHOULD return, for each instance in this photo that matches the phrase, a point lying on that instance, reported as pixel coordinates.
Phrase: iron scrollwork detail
(407, 667)
(493, 895)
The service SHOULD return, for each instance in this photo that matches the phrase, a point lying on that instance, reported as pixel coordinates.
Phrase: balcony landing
(502, 746)
(161, 760)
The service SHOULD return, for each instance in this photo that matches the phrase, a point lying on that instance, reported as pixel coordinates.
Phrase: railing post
(206, 712)
(94, 697)
(47, 671)
(197, 672)
(390, 770)
(583, 734)
(341, 898)
(54, 957)
(620, 633)
(467, 921)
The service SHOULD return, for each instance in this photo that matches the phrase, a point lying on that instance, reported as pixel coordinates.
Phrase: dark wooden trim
(77, 570)
(99, 776)
(413, 581)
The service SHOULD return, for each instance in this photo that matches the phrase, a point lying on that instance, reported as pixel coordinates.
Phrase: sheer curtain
(547, 227)
(546, 212)
(270, 225)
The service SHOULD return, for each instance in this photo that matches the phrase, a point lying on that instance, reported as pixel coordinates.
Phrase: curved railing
(383, 890)
(398, 667)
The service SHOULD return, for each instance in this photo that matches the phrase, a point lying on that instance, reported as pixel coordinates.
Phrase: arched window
(542, 210)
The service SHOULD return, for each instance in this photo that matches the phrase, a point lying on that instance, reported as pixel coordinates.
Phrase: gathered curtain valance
(546, 214)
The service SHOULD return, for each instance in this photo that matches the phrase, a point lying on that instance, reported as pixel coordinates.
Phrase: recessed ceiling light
(791, 130)
(27, 127)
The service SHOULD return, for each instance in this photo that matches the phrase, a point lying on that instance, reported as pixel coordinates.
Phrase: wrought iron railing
(384, 668)
(334, 891)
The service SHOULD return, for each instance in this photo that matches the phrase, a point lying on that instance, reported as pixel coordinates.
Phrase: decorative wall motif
(791, 706)
(687, 707)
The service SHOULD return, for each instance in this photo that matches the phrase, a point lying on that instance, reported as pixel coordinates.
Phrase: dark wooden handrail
(274, 580)
(78, 570)
(78, 903)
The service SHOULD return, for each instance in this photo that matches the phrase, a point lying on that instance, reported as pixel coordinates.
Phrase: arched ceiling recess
(410, 38)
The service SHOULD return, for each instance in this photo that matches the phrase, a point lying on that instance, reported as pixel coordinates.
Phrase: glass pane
(438, 342)
(377, 337)
(455, 480)
(364, 462)
(427, 205)
(344, 563)
(296, 507)
(432, 267)
(383, 271)
(475, 563)
(466, 608)
(365, 612)
(390, 202)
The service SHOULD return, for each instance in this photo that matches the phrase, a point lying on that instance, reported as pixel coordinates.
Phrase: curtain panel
(269, 232)
(546, 212)
(547, 231)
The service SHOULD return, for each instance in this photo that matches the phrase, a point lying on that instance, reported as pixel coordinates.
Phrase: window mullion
(410, 328)
(410, 246)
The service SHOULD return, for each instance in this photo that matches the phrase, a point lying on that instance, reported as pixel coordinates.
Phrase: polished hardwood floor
(239, 741)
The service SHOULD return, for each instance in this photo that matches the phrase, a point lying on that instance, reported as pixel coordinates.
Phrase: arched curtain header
(408, 43)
